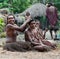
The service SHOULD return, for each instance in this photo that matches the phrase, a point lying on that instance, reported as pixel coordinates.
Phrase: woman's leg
(42, 48)
(48, 43)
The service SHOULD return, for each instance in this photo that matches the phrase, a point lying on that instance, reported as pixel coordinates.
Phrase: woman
(35, 35)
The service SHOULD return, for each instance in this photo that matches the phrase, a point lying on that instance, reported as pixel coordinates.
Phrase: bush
(2, 24)
(3, 35)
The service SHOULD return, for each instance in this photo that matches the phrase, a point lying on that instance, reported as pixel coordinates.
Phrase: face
(37, 24)
(32, 24)
(11, 19)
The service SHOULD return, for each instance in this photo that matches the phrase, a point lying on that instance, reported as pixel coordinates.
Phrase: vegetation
(3, 35)
(2, 24)
(17, 6)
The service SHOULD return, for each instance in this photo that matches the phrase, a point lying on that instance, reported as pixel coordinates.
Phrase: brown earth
(54, 54)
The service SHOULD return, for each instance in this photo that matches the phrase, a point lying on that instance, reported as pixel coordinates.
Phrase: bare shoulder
(27, 30)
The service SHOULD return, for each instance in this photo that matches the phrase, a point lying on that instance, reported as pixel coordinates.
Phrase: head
(49, 4)
(10, 19)
(32, 24)
(38, 23)
(27, 14)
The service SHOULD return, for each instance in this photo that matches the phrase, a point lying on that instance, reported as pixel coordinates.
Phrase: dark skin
(11, 32)
(35, 32)
(44, 41)
(12, 28)
(31, 35)
(32, 29)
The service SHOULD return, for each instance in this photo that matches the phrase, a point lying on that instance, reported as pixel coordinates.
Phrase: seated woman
(46, 42)
(11, 35)
(35, 36)
(12, 28)
(31, 35)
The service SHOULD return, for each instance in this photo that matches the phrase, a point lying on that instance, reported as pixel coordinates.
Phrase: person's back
(52, 17)
(51, 14)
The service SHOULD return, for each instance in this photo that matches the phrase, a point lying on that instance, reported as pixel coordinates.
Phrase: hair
(31, 21)
(37, 17)
(37, 20)
(27, 13)
(10, 15)
(50, 4)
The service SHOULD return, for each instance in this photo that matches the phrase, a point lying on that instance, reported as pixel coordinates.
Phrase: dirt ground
(54, 54)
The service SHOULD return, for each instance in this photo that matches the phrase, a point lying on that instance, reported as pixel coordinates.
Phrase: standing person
(52, 17)
(12, 28)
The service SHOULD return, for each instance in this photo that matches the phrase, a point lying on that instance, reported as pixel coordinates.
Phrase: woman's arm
(29, 38)
(21, 28)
